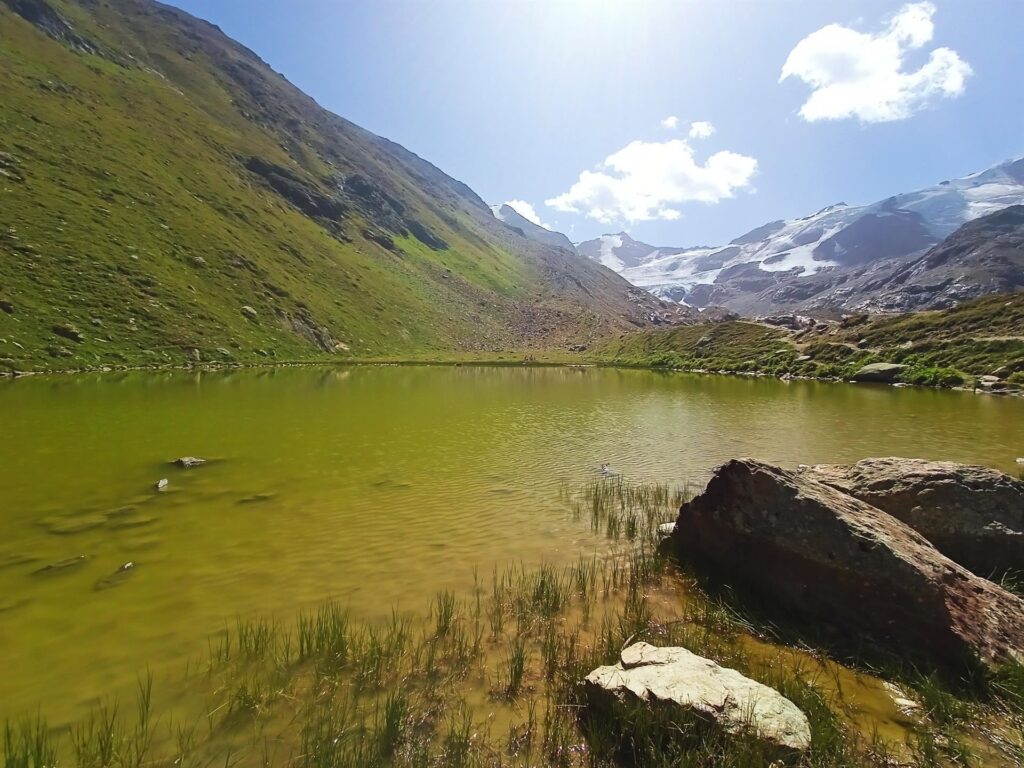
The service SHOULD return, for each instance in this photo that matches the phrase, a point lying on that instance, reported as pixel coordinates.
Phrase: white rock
(699, 686)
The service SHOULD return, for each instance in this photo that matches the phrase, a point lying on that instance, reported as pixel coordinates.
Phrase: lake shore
(555, 361)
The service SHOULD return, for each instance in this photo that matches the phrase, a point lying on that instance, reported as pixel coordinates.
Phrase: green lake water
(376, 486)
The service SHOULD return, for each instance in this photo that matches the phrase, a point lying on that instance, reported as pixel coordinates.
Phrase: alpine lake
(375, 488)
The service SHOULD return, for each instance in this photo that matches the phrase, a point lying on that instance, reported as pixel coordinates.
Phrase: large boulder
(973, 515)
(694, 686)
(885, 373)
(830, 557)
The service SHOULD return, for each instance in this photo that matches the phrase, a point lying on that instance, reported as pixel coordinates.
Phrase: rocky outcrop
(827, 556)
(41, 15)
(68, 331)
(973, 515)
(691, 685)
(298, 190)
(885, 373)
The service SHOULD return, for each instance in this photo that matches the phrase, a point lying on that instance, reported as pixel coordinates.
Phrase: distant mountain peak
(801, 261)
(506, 214)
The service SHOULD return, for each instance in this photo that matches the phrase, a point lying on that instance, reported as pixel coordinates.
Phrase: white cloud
(701, 129)
(527, 211)
(645, 180)
(861, 75)
(671, 122)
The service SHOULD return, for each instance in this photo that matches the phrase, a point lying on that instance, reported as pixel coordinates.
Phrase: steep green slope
(945, 347)
(165, 197)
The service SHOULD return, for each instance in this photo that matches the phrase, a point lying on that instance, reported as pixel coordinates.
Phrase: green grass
(730, 346)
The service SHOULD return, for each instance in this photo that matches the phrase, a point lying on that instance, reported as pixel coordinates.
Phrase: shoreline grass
(491, 678)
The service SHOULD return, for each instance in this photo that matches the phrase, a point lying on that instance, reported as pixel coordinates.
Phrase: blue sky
(519, 98)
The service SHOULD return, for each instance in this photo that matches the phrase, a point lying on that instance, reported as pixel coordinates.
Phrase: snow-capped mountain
(804, 261)
(509, 215)
(619, 252)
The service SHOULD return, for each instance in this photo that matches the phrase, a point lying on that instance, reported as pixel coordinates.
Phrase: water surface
(373, 485)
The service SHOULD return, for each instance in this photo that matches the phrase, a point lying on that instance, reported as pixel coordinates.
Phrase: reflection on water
(377, 486)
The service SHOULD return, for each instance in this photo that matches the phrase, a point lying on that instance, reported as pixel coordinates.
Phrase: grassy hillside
(735, 345)
(165, 197)
(946, 347)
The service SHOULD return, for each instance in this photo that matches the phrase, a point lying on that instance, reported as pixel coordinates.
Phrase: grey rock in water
(161, 484)
(693, 685)
(825, 556)
(973, 515)
(188, 462)
(885, 373)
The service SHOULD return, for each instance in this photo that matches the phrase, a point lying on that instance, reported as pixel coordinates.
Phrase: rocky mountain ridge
(840, 258)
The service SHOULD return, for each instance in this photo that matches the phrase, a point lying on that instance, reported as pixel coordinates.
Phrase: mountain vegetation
(982, 337)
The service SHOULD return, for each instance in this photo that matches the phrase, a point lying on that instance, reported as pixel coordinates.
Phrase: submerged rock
(131, 521)
(116, 578)
(65, 525)
(695, 686)
(828, 556)
(62, 565)
(885, 373)
(257, 498)
(973, 515)
(188, 462)
(9, 604)
(12, 559)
